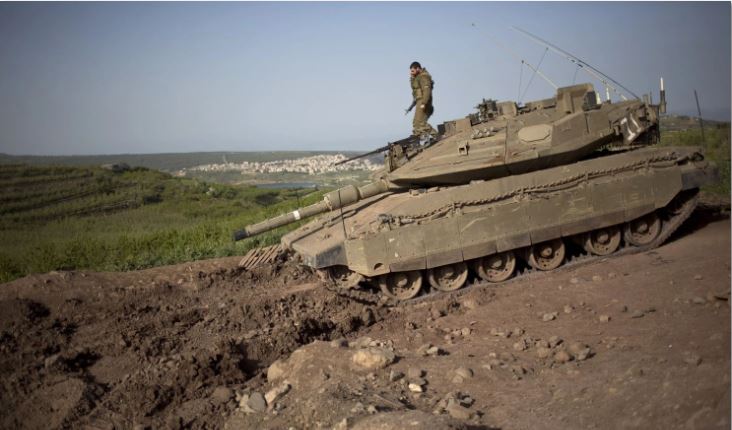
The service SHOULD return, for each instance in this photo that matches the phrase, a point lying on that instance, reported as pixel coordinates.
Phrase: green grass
(716, 146)
(54, 218)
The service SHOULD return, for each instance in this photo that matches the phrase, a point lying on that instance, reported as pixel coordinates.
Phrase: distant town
(314, 165)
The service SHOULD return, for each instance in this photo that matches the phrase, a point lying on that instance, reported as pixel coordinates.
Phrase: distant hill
(170, 162)
(684, 122)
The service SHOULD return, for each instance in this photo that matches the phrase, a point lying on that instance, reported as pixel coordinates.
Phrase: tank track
(673, 216)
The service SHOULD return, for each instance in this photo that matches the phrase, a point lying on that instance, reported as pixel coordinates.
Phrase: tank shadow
(700, 218)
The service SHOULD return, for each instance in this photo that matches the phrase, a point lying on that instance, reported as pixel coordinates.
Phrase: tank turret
(501, 139)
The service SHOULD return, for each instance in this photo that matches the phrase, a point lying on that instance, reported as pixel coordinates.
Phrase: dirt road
(638, 341)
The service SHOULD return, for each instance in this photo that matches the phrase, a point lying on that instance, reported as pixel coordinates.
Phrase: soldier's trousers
(420, 125)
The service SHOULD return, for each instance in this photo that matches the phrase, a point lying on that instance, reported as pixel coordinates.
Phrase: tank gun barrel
(333, 200)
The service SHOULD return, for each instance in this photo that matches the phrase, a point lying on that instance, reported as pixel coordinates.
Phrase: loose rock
(276, 370)
(419, 381)
(222, 395)
(554, 341)
(543, 352)
(395, 376)
(469, 304)
(604, 318)
(415, 388)
(464, 372)
(373, 358)
(549, 316)
(521, 345)
(422, 350)
(562, 357)
(361, 342)
(51, 361)
(500, 333)
(276, 393)
(580, 351)
(457, 411)
(256, 402)
(433, 351)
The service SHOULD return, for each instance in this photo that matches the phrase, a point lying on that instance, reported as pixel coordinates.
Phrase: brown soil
(172, 347)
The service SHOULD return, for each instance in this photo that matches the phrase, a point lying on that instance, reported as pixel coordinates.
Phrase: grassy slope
(89, 218)
(716, 147)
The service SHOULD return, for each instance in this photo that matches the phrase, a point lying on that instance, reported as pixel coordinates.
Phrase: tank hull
(441, 226)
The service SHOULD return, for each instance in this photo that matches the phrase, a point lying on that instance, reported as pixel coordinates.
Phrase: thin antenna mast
(580, 63)
(511, 53)
(500, 45)
(701, 122)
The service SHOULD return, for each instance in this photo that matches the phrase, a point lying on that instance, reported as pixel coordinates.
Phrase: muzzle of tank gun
(333, 200)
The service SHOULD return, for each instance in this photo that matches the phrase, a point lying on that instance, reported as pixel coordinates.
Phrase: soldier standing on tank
(422, 86)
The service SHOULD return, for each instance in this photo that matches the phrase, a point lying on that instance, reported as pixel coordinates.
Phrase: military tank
(508, 185)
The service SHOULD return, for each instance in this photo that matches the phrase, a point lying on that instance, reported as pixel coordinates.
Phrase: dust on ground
(638, 341)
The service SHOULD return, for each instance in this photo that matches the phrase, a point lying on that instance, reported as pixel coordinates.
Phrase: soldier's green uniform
(422, 85)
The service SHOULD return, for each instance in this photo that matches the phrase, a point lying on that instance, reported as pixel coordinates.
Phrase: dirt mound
(149, 348)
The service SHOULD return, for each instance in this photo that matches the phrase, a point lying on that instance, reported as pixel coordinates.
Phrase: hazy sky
(95, 78)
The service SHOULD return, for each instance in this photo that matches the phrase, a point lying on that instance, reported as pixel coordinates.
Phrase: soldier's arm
(426, 87)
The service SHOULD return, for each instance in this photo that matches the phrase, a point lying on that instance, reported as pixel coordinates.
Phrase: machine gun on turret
(375, 151)
(395, 150)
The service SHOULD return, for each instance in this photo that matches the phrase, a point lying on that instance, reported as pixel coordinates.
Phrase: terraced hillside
(60, 217)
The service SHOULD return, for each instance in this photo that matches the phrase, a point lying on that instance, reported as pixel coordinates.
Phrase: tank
(504, 187)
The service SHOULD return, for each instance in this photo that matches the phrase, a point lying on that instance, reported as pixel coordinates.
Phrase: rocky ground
(638, 341)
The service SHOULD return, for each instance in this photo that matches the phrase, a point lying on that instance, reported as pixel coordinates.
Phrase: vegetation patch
(716, 146)
(72, 218)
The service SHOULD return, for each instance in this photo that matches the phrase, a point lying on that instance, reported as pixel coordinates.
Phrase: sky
(111, 78)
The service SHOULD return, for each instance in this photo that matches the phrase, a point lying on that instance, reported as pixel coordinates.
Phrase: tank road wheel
(603, 241)
(448, 278)
(341, 277)
(547, 255)
(401, 285)
(643, 230)
(496, 267)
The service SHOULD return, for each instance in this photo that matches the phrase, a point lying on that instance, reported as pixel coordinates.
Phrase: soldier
(422, 85)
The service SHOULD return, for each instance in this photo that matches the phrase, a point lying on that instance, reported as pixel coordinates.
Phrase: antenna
(580, 63)
(511, 53)
(536, 70)
(701, 122)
